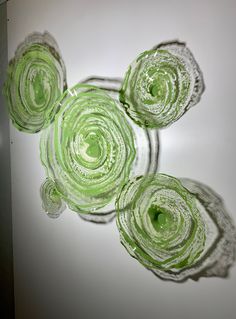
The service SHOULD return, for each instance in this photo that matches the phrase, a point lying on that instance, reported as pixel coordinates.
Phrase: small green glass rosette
(36, 77)
(51, 199)
(161, 85)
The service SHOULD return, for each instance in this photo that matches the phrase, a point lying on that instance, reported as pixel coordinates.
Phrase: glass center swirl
(36, 78)
(161, 85)
(160, 224)
(89, 149)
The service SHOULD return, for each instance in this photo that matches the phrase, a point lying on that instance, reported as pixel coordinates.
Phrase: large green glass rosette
(161, 85)
(36, 77)
(175, 232)
(89, 150)
(146, 143)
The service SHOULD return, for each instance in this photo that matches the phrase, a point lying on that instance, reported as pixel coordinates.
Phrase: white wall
(68, 268)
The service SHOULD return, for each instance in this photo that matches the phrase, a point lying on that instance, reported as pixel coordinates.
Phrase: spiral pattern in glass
(51, 199)
(161, 85)
(36, 78)
(160, 223)
(89, 149)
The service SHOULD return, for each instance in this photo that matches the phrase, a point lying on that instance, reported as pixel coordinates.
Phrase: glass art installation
(100, 148)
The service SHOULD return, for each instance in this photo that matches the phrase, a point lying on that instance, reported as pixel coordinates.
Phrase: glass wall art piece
(178, 229)
(99, 146)
(36, 77)
(146, 141)
(146, 145)
(161, 85)
(51, 199)
(90, 151)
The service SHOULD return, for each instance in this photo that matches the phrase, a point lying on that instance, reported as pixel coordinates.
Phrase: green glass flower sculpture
(175, 232)
(36, 78)
(146, 145)
(52, 202)
(89, 148)
(161, 85)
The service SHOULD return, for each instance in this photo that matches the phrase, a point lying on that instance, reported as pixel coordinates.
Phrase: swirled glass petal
(161, 85)
(173, 230)
(36, 77)
(89, 149)
(146, 144)
(51, 199)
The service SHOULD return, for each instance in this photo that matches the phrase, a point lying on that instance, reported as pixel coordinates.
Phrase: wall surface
(6, 254)
(69, 268)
